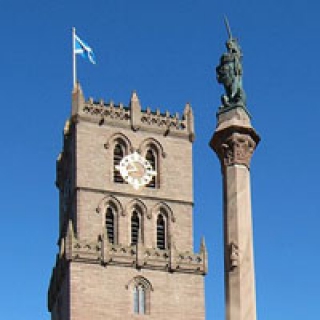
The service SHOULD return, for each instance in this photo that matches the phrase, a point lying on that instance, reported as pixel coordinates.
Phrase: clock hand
(133, 168)
(152, 172)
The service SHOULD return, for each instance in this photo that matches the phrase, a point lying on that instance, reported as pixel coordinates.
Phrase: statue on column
(229, 73)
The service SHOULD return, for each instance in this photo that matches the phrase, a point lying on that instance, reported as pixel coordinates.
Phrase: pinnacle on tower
(78, 99)
(135, 111)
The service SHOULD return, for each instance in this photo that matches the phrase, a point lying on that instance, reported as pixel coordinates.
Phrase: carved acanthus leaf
(238, 149)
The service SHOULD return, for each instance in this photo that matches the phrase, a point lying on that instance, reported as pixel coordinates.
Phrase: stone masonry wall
(104, 293)
(92, 279)
(95, 182)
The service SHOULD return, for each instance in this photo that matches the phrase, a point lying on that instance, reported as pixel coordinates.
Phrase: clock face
(136, 170)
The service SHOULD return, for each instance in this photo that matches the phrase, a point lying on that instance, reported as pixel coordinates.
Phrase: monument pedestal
(234, 141)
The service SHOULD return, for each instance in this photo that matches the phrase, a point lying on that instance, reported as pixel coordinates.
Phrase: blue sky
(167, 51)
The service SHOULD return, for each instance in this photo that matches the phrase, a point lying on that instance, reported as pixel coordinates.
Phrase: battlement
(105, 253)
(133, 116)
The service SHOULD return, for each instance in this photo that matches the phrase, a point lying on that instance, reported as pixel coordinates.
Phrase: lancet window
(161, 231)
(110, 224)
(135, 227)
(119, 152)
(140, 291)
(139, 299)
(152, 157)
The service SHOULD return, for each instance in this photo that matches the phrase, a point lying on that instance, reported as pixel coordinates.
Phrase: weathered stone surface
(234, 142)
(91, 278)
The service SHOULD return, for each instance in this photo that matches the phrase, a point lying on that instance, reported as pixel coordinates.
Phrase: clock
(136, 170)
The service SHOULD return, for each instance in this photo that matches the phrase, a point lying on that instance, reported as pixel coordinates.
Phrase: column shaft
(234, 141)
(238, 242)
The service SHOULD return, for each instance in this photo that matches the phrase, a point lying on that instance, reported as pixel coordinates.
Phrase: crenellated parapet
(133, 116)
(103, 110)
(107, 254)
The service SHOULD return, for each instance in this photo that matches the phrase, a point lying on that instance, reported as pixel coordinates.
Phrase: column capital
(234, 139)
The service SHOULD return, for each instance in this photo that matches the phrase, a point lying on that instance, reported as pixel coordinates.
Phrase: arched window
(110, 224)
(139, 299)
(152, 157)
(135, 227)
(140, 292)
(161, 232)
(119, 152)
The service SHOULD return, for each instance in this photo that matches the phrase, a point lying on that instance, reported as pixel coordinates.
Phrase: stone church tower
(126, 252)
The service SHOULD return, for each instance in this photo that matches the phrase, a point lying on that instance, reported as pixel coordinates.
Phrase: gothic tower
(125, 238)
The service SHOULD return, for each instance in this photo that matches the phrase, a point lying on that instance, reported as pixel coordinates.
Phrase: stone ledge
(104, 253)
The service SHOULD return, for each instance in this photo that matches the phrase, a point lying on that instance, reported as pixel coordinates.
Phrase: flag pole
(74, 66)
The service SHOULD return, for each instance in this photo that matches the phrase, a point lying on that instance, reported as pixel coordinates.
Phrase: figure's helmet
(233, 46)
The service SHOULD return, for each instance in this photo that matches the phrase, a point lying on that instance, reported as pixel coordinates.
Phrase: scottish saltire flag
(84, 50)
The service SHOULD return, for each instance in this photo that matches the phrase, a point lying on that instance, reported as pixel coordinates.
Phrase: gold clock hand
(152, 172)
(132, 168)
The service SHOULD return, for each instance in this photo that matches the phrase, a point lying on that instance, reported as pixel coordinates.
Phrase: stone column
(234, 141)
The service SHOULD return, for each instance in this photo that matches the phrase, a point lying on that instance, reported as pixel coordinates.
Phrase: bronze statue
(229, 73)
